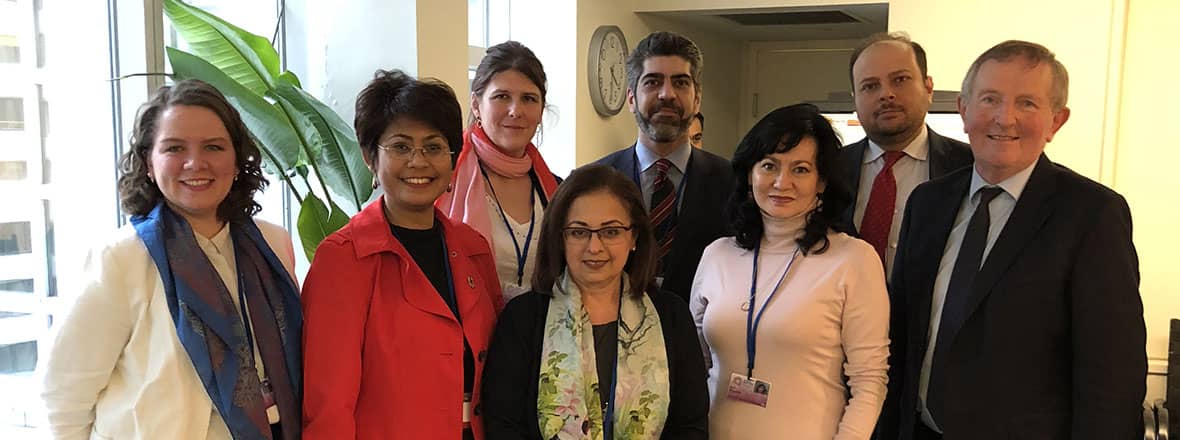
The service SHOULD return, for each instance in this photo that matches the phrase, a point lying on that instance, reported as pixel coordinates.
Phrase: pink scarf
(467, 201)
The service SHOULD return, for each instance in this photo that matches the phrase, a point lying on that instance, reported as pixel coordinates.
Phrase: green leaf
(247, 58)
(290, 79)
(266, 122)
(332, 144)
(316, 222)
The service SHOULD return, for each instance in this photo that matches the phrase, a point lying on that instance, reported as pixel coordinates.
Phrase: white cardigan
(117, 369)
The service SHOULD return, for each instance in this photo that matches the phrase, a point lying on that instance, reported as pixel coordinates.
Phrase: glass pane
(13, 170)
(15, 238)
(12, 113)
(477, 19)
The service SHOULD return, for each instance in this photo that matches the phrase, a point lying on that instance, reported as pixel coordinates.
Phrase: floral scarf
(568, 403)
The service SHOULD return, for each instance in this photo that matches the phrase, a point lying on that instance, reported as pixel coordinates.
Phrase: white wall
(549, 29)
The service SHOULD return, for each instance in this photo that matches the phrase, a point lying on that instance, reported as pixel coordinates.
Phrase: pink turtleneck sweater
(829, 318)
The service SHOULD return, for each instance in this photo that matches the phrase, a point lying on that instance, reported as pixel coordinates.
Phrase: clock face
(607, 71)
(612, 74)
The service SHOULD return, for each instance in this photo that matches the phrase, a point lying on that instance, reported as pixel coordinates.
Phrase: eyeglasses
(608, 234)
(405, 152)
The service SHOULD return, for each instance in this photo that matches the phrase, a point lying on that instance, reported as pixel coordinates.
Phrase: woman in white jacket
(189, 323)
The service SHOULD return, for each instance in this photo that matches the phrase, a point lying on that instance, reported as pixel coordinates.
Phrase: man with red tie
(892, 92)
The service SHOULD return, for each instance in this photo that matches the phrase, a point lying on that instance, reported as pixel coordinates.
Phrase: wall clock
(608, 70)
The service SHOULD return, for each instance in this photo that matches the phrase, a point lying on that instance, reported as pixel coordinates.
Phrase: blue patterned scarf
(211, 329)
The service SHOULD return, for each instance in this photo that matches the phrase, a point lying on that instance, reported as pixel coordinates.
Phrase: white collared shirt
(909, 171)
(647, 171)
(998, 212)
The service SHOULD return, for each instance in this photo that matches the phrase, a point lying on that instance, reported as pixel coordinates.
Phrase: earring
(375, 185)
(450, 187)
(235, 177)
(151, 178)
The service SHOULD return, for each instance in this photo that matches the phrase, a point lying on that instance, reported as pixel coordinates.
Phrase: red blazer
(383, 355)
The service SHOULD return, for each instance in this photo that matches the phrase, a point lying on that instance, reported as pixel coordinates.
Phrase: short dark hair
(1034, 54)
(138, 195)
(900, 37)
(700, 117)
(393, 94)
(664, 44)
(641, 265)
(780, 131)
(509, 55)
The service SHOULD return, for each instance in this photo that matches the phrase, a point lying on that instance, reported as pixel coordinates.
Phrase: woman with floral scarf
(595, 351)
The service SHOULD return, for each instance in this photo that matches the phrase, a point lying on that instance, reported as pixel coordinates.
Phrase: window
(23, 286)
(15, 238)
(13, 170)
(12, 113)
(9, 49)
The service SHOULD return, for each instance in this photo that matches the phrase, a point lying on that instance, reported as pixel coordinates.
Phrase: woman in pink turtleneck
(501, 184)
(778, 354)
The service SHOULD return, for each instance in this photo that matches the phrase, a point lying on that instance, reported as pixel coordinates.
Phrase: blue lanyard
(521, 257)
(679, 188)
(751, 321)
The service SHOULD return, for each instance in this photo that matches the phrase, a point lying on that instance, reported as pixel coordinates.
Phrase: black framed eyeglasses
(608, 234)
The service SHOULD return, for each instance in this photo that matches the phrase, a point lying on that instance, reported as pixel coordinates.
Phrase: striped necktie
(663, 209)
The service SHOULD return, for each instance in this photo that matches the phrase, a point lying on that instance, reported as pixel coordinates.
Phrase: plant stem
(283, 174)
(311, 160)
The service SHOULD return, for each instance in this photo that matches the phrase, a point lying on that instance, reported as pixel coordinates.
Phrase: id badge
(466, 407)
(748, 389)
(268, 400)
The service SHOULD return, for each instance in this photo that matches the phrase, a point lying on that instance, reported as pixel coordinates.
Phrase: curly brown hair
(138, 195)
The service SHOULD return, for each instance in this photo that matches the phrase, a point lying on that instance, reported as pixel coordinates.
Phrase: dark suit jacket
(946, 155)
(701, 218)
(1051, 345)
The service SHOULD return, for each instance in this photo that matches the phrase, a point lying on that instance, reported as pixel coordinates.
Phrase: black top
(514, 364)
(606, 351)
(427, 248)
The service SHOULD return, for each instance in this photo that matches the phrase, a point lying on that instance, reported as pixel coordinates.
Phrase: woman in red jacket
(400, 303)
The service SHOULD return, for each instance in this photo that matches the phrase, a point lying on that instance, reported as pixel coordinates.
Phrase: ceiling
(838, 22)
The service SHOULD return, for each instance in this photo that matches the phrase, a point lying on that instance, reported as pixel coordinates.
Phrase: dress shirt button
(893, 245)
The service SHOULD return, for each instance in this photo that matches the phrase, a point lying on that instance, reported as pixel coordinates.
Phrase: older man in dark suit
(892, 92)
(1015, 292)
(685, 188)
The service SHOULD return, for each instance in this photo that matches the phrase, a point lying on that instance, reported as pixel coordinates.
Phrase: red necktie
(878, 219)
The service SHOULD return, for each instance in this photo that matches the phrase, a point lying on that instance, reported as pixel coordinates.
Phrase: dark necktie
(878, 218)
(663, 210)
(958, 291)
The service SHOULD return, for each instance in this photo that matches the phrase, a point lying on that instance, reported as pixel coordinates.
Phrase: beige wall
(598, 136)
(441, 35)
(1147, 152)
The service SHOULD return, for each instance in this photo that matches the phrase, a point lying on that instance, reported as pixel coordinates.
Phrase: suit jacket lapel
(699, 178)
(939, 156)
(938, 230)
(853, 161)
(1028, 216)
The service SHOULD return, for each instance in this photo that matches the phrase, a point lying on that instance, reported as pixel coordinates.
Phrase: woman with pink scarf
(501, 184)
